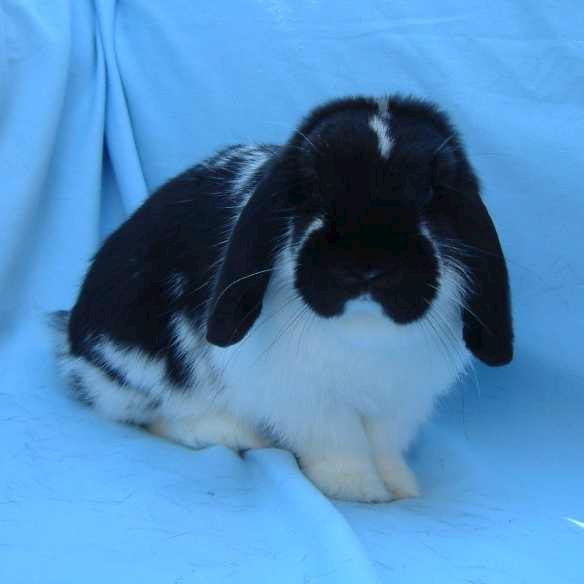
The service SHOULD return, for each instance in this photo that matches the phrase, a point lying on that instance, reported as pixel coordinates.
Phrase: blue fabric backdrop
(102, 101)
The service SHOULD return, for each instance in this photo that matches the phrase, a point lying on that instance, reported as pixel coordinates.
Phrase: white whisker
(246, 277)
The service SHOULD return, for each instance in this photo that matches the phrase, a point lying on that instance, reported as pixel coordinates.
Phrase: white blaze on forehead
(378, 123)
(383, 105)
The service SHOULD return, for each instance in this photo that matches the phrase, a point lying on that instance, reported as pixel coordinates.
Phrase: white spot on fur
(141, 370)
(222, 160)
(255, 158)
(109, 399)
(187, 338)
(383, 105)
(192, 349)
(378, 124)
(148, 383)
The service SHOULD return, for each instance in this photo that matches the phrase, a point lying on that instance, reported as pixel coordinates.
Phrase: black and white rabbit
(318, 296)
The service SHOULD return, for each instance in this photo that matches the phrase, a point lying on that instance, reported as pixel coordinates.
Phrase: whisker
(291, 298)
(436, 327)
(290, 323)
(467, 250)
(308, 140)
(462, 305)
(309, 319)
(246, 277)
(443, 145)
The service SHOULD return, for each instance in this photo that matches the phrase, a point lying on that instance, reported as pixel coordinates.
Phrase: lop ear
(487, 321)
(244, 275)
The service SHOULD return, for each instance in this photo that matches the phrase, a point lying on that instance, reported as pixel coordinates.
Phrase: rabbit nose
(384, 278)
(349, 276)
(365, 278)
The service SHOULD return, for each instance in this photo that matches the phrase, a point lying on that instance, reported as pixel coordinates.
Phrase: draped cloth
(100, 102)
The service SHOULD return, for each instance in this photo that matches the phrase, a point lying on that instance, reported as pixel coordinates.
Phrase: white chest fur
(302, 374)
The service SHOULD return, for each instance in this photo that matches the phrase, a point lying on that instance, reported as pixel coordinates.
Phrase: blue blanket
(102, 101)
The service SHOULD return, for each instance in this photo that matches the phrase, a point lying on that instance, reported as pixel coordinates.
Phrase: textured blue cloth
(102, 101)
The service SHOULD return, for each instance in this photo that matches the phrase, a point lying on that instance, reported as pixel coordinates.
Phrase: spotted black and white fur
(318, 296)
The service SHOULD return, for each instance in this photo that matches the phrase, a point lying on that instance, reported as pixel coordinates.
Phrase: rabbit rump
(317, 296)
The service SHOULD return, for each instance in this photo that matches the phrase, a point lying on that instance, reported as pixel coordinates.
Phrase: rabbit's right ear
(255, 240)
(487, 320)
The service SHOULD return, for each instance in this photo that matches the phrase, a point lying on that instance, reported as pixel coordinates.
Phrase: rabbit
(317, 296)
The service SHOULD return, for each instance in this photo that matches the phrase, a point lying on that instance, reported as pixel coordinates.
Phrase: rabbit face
(362, 227)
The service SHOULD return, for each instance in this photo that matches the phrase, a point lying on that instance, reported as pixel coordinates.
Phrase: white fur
(378, 123)
(223, 159)
(112, 401)
(209, 429)
(141, 371)
(255, 158)
(316, 224)
(383, 105)
(194, 351)
(147, 383)
(241, 187)
(347, 394)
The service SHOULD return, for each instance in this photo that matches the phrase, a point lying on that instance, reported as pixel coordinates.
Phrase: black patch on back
(180, 229)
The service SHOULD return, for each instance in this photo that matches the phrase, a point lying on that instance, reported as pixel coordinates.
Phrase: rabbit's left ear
(487, 321)
(243, 278)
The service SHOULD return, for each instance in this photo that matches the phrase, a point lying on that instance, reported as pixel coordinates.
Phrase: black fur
(245, 272)
(372, 209)
(177, 232)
